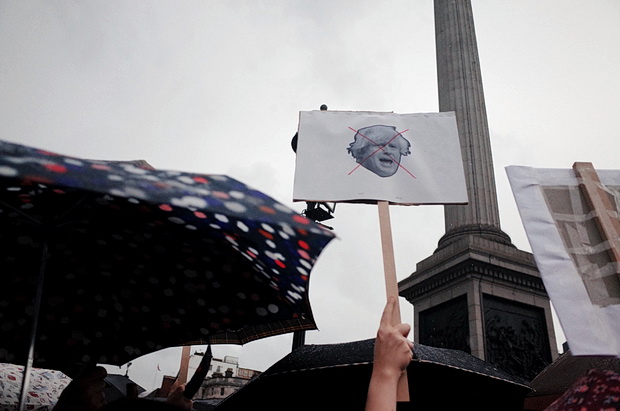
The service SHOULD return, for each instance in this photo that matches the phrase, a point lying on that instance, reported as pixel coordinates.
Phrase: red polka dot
(201, 180)
(301, 219)
(267, 210)
(303, 244)
(100, 167)
(165, 207)
(303, 254)
(200, 214)
(57, 168)
(266, 234)
(220, 194)
(280, 264)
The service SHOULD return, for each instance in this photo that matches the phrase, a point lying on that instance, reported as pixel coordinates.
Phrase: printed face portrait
(379, 149)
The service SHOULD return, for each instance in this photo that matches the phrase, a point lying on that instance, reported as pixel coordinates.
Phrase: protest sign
(571, 220)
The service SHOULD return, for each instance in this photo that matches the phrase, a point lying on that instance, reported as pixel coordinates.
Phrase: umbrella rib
(20, 212)
(69, 210)
(41, 223)
(33, 331)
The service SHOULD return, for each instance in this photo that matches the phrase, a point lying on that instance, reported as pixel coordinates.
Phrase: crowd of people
(598, 390)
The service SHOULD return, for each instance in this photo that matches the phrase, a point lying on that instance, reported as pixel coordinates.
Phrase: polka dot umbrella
(107, 261)
(44, 390)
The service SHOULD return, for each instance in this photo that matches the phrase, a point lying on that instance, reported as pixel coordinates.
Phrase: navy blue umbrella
(107, 261)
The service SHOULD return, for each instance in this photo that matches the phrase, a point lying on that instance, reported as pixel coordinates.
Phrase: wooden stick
(391, 285)
(184, 369)
(598, 200)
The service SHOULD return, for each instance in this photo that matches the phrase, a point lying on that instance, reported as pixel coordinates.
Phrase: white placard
(348, 156)
(576, 269)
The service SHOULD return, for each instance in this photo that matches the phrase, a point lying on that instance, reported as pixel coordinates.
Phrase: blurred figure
(86, 393)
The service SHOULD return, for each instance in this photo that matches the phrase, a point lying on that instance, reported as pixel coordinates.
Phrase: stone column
(460, 90)
(477, 284)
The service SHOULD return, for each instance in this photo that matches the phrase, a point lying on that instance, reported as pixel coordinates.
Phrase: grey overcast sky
(216, 86)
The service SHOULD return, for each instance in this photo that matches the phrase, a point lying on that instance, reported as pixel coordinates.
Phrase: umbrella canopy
(336, 377)
(559, 376)
(128, 260)
(120, 386)
(45, 387)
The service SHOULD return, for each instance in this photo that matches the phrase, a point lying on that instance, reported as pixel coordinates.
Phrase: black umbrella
(125, 260)
(336, 377)
(120, 386)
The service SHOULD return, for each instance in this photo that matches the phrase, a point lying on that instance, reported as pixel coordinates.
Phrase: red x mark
(380, 148)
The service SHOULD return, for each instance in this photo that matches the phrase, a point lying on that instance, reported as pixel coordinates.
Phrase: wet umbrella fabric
(120, 386)
(336, 377)
(45, 387)
(138, 260)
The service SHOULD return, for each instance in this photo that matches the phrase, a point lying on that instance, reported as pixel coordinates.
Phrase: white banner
(347, 156)
(573, 260)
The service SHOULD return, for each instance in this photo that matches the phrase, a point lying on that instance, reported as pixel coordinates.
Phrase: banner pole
(391, 285)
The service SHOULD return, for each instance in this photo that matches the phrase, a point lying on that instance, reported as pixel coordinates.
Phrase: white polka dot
(176, 220)
(8, 171)
(73, 161)
(288, 229)
(189, 201)
(236, 207)
(186, 179)
(283, 208)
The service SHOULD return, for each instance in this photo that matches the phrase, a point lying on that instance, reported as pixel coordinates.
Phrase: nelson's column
(477, 292)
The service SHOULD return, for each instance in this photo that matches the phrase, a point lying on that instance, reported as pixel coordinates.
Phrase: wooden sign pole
(184, 369)
(599, 202)
(391, 285)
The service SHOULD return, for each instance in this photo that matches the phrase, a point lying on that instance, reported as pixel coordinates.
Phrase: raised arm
(393, 353)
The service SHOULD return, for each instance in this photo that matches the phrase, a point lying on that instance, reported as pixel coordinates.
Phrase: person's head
(379, 149)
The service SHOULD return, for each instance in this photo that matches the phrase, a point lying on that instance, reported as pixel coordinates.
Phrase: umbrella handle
(33, 330)
(199, 376)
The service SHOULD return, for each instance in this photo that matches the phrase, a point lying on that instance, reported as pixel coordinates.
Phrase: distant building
(223, 378)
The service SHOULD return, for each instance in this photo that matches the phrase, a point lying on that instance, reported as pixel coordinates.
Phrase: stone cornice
(507, 256)
(471, 268)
